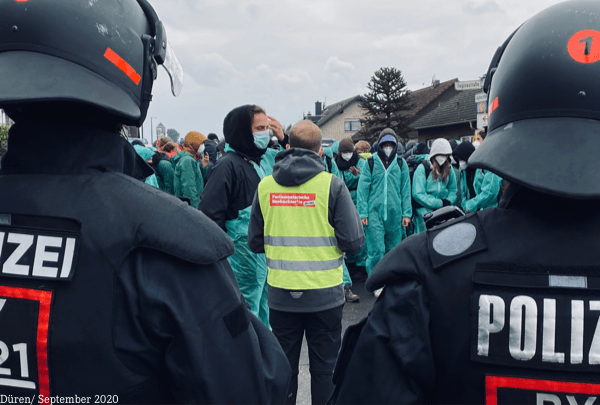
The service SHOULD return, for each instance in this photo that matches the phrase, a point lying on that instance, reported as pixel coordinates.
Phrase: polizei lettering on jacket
(539, 331)
(37, 254)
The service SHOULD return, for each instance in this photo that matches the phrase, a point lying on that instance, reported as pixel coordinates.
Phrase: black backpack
(412, 167)
(328, 163)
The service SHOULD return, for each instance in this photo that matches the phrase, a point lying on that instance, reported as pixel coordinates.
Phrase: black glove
(446, 203)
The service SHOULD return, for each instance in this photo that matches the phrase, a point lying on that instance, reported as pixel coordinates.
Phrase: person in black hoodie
(302, 300)
(227, 197)
(466, 174)
(161, 163)
(210, 147)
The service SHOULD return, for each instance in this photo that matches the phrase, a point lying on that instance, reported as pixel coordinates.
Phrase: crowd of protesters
(392, 186)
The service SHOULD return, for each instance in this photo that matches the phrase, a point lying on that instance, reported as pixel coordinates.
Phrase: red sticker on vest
(584, 46)
(292, 200)
(504, 390)
(25, 318)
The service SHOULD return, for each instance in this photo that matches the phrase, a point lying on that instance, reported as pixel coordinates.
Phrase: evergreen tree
(173, 134)
(385, 105)
(3, 139)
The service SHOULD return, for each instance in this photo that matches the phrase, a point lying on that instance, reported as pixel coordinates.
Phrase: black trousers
(324, 337)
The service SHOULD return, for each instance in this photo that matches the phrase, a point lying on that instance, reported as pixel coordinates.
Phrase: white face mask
(441, 160)
(463, 165)
(388, 150)
(476, 144)
(261, 139)
(347, 156)
(201, 149)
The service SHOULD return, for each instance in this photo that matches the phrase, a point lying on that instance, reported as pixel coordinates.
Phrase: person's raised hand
(276, 127)
(205, 160)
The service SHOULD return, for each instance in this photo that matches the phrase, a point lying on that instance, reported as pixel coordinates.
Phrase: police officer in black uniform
(502, 305)
(103, 297)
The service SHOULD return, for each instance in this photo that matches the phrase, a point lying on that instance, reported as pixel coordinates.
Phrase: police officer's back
(99, 294)
(502, 305)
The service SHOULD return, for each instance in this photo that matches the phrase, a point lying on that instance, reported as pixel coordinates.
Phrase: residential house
(4, 119)
(452, 116)
(339, 120)
(439, 110)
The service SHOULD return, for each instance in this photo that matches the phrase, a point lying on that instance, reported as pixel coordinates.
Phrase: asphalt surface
(353, 313)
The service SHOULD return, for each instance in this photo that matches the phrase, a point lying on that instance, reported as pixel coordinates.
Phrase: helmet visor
(174, 70)
(554, 155)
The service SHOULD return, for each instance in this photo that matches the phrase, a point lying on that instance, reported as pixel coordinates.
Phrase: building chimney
(318, 107)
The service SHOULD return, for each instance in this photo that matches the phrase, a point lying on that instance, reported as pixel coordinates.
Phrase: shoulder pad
(185, 233)
(454, 240)
(417, 254)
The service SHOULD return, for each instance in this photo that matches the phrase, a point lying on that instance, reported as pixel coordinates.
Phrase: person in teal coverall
(331, 166)
(350, 165)
(439, 188)
(384, 202)
(146, 154)
(479, 188)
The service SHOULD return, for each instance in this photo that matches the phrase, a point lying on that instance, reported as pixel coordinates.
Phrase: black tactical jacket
(501, 306)
(111, 287)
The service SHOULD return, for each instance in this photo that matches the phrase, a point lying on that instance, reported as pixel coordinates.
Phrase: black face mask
(344, 164)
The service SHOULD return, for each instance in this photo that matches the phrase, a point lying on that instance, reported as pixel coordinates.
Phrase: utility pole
(151, 130)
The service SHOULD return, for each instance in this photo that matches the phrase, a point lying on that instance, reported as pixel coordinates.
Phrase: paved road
(353, 313)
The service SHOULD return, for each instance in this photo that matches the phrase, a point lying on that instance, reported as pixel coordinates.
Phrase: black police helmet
(544, 103)
(99, 53)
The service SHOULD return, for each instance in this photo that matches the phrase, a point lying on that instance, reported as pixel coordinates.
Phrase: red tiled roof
(422, 97)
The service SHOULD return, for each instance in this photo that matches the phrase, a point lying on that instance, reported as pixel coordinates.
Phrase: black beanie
(421, 149)
(463, 151)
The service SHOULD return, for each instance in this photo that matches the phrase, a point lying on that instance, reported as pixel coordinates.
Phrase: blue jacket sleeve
(363, 191)
(419, 191)
(490, 186)
(335, 170)
(167, 172)
(464, 189)
(189, 188)
(452, 189)
(405, 191)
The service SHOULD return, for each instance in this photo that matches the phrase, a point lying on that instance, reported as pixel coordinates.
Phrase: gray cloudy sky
(286, 54)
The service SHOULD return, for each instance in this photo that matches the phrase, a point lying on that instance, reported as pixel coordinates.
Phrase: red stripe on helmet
(123, 65)
(493, 106)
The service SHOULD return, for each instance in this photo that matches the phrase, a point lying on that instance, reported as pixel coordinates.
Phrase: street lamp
(151, 130)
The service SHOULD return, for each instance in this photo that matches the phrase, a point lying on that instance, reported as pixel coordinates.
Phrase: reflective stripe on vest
(300, 241)
(300, 244)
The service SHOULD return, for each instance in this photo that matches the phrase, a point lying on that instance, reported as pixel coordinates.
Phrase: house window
(351, 125)
(466, 138)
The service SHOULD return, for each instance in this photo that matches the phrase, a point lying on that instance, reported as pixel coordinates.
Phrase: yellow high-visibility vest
(300, 244)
